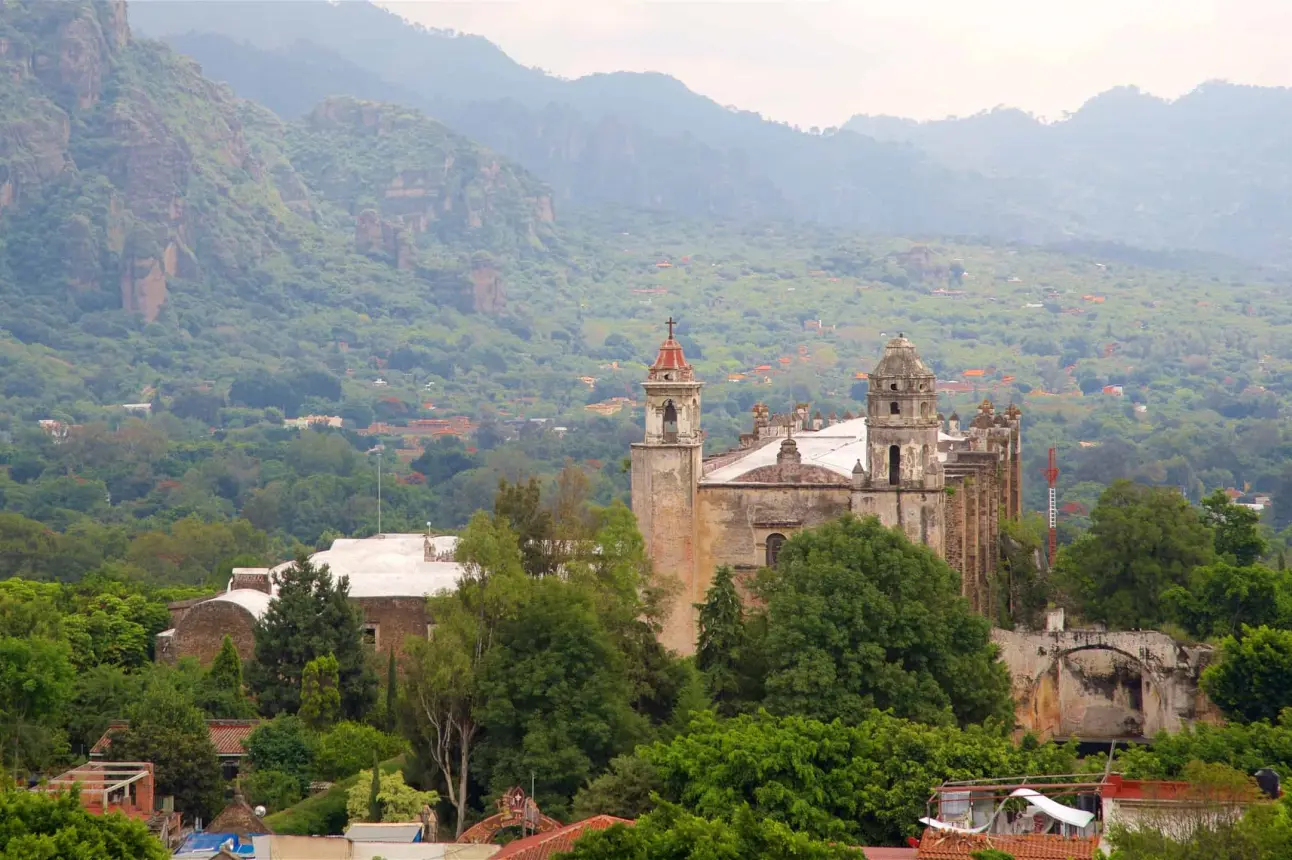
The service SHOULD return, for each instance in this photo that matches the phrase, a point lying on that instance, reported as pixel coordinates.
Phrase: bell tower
(666, 468)
(906, 480)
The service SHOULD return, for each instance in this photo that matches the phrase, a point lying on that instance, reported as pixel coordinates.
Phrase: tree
(1221, 598)
(310, 616)
(320, 696)
(222, 695)
(440, 692)
(395, 800)
(720, 651)
(167, 730)
(1142, 540)
(672, 833)
(520, 505)
(1253, 678)
(554, 698)
(1236, 529)
(864, 784)
(857, 617)
(392, 692)
(36, 684)
(273, 788)
(624, 790)
(349, 747)
(374, 793)
(284, 744)
(39, 826)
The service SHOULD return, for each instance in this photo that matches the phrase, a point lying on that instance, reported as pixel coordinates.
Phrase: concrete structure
(390, 577)
(945, 486)
(1096, 685)
(106, 787)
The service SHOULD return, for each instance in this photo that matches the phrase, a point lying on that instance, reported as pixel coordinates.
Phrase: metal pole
(378, 492)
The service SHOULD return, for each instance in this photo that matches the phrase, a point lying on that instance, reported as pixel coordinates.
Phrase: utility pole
(1052, 476)
(377, 449)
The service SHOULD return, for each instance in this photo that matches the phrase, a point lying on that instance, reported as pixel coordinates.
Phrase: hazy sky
(817, 62)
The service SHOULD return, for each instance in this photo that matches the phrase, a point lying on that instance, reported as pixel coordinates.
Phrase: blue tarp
(209, 844)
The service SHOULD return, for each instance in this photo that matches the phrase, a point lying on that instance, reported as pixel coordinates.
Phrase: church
(944, 485)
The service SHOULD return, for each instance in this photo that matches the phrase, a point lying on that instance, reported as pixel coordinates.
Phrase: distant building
(307, 421)
(229, 737)
(390, 577)
(945, 487)
(138, 408)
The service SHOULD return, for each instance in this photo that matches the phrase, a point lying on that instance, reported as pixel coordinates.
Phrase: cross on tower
(671, 323)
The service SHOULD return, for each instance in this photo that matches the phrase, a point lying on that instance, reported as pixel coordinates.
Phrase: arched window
(892, 386)
(894, 409)
(924, 410)
(774, 544)
(894, 465)
(670, 421)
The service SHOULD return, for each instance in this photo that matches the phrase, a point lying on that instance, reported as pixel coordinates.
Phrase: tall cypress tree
(374, 799)
(310, 617)
(722, 640)
(392, 692)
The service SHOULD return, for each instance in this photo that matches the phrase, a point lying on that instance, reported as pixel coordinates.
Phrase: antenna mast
(1052, 476)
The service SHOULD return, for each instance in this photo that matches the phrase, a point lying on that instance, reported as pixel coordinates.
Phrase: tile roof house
(228, 737)
(541, 846)
(950, 845)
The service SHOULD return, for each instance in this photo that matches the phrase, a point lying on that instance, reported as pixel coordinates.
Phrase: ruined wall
(1096, 685)
(201, 631)
(663, 500)
(396, 618)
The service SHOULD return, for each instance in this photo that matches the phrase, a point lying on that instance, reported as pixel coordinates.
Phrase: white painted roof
(391, 565)
(255, 602)
(837, 448)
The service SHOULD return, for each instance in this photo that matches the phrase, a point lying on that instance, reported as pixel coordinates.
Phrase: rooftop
(391, 565)
(541, 846)
(228, 736)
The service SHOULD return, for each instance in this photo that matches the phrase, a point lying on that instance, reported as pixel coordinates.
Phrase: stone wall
(201, 630)
(663, 499)
(1097, 685)
(396, 618)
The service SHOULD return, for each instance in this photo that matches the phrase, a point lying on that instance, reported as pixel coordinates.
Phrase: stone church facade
(944, 485)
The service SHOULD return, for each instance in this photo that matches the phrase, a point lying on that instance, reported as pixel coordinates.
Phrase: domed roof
(901, 359)
(670, 364)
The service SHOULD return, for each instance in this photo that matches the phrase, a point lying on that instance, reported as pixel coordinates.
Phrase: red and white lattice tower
(1052, 476)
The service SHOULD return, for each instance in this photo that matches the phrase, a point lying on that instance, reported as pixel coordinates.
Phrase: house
(542, 846)
(390, 577)
(228, 835)
(227, 736)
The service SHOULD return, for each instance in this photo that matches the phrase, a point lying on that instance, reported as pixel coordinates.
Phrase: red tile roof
(889, 853)
(541, 846)
(941, 845)
(228, 736)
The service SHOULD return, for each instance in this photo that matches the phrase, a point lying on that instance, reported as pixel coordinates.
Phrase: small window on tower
(894, 409)
(774, 544)
(670, 421)
(892, 386)
(894, 465)
(924, 410)
(371, 635)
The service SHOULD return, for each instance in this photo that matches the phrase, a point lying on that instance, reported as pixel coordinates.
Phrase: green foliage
(1253, 678)
(349, 747)
(167, 730)
(1263, 833)
(991, 854)
(320, 696)
(672, 833)
(36, 684)
(38, 826)
(324, 813)
(857, 617)
(1245, 747)
(721, 650)
(273, 789)
(1142, 541)
(394, 799)
(554, 698)
(285, 745)
(1022, 592)
(519, 506)
(623, 790)
(310, 616)
(1220, 599)
(1236, 528)
(865, 783)
(392, 692)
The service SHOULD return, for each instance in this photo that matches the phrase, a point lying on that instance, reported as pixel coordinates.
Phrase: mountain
(625, 138)
(154, 228)
(1211, 170)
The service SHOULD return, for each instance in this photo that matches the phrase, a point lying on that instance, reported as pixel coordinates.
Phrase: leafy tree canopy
(37, 826)
(1253, 678)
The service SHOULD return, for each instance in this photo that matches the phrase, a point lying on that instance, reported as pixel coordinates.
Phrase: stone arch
(894, 465)
(774, 544)
(1094, 690)
(894, 408)
(670, 421)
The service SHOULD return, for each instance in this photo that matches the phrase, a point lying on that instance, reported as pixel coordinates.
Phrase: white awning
(1076, 817)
